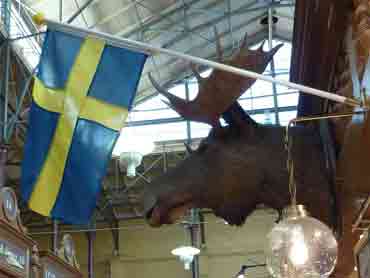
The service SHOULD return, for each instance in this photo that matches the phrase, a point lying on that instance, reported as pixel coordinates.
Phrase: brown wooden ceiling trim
(319, 30)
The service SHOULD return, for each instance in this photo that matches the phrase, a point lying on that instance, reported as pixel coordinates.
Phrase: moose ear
(237, 117)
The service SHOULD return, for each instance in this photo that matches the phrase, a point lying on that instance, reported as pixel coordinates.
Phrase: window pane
(257, 103)
(152, 109)
(178, 90)
(206, 73)
(259, 88)
(152, 103)
(163, 113)
(286, 116)
(282, 57)
(288, 100)
(193, 90)
(266, 118)
(157, 133)
(199, 130)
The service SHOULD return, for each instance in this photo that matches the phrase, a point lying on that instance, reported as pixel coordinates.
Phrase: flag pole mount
(39, 19)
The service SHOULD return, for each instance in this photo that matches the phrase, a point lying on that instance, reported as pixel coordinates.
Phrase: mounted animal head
(237, 166)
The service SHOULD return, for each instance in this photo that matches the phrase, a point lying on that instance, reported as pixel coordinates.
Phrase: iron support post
(3, 157)
(15, 117)
(116, 237)
(194, 228)
(60, 10)
(6, 15)
(6, 92)
(202, 230)
(272, 65)
(90, 259)
(188, 128)
(194, 212)
(55, 237)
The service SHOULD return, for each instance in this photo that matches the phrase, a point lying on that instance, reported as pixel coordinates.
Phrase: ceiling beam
(206, 9)
(209, 24)
(154, 19)
(116, 13)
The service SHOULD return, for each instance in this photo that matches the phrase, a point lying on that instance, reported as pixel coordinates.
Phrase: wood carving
(18, 252)
(67, 251)
(352, 135)
(54, 266)
(62, 264)
(35, 263)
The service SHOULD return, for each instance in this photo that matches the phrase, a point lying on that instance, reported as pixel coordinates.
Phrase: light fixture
(131, 150)
(299, 245)
(130, 160)
(186, 254)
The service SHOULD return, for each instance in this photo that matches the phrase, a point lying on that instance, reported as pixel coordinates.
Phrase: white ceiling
(182, 25)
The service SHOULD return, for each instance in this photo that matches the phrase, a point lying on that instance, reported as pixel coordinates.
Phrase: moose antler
(221, 89)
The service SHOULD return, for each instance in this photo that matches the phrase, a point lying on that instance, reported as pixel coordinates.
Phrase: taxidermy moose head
(242, 164)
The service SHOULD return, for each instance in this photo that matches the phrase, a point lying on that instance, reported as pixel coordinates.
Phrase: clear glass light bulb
(300, 246)
(298, 252)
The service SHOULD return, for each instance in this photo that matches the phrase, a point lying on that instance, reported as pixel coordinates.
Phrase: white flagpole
(153, 50)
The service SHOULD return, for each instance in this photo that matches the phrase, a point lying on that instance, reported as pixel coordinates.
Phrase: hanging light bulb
(300, 246)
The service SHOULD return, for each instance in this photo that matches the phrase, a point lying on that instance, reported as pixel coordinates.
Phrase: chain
(288, 142)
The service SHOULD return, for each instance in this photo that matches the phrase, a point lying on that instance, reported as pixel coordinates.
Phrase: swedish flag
(82, 93)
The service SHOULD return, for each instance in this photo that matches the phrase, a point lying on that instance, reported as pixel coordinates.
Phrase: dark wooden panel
(318, 33)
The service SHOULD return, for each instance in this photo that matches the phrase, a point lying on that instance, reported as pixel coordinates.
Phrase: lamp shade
(131, 150)
(130, 160)
(300, 246)
(186, 254)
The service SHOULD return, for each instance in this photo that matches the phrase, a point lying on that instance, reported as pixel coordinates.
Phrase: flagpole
(153, 50)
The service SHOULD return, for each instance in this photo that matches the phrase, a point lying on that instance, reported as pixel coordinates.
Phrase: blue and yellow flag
(82, 93)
